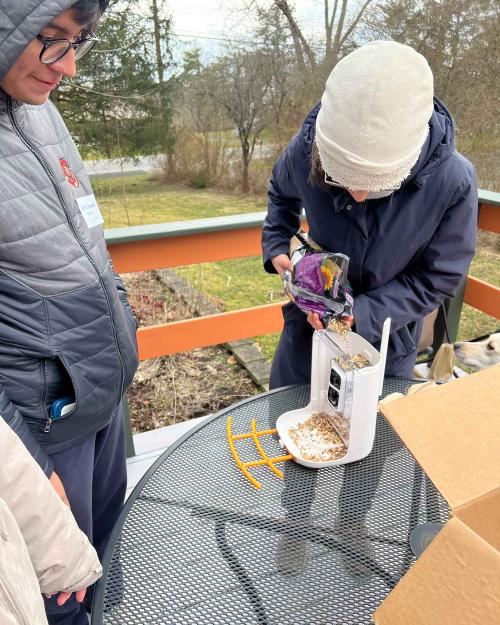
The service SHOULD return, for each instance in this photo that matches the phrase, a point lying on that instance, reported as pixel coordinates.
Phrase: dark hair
(88, 12)
(317, 173)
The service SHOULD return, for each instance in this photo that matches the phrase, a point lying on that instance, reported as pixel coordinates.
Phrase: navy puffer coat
(408, 251)
(66, 328)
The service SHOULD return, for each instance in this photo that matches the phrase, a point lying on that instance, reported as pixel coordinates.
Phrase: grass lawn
(241, 283)
(136, 200)
(486, 266)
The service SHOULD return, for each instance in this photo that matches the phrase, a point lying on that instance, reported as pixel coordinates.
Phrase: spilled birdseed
(317, 439)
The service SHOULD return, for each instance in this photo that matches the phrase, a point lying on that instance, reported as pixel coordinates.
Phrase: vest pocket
(57, 382)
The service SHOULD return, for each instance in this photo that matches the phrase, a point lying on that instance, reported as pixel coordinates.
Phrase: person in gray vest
(68, 349)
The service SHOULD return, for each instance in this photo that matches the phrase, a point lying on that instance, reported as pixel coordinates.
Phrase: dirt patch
(489, 241)
(183, 386)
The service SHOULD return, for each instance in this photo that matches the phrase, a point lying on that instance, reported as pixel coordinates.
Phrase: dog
(479, 354)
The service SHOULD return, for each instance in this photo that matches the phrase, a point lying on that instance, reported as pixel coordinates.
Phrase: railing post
(452, 310)
(129, 439)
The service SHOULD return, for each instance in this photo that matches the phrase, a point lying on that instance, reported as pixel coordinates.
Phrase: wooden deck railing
(158, 246)
(479, 294)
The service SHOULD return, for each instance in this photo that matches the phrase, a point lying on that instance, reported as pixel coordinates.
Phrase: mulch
(182, 386)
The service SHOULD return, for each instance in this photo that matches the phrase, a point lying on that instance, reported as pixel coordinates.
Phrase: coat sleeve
(11, 415)
(283, 209)
(60, 552)
(433, 277)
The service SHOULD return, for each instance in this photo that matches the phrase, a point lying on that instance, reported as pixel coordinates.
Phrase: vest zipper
(48, 421)
(53, 180)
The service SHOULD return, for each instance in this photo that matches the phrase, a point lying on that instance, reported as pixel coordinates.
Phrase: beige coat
(41, 547)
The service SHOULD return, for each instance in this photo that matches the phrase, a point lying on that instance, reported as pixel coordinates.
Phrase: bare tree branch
(300, 42)
(355, 22)
(338, 32)
(329, 22)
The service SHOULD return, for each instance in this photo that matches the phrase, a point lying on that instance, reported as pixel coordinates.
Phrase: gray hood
(21, 22)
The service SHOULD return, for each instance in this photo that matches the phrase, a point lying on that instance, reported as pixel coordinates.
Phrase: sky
(207, 23)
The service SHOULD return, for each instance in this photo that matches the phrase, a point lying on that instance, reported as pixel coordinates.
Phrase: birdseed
(317, 439)
(339, 327)
(352, 361)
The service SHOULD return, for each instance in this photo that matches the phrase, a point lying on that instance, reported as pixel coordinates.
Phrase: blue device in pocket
(61, 407)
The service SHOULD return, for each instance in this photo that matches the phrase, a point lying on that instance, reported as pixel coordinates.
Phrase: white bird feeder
(348, 397)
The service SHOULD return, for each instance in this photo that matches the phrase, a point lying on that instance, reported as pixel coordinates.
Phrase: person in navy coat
(376, 169)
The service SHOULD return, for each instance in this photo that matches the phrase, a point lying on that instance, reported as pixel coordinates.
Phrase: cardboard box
(453, 431)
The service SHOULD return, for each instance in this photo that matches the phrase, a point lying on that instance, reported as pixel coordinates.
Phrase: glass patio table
(198, 544)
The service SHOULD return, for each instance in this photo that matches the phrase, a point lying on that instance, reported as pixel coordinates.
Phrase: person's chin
(37, 91)
(41, 99)
(35, 98)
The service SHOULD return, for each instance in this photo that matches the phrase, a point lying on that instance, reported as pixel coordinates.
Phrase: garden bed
(182, 386)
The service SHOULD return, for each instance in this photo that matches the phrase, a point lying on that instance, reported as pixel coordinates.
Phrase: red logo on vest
(68, 174)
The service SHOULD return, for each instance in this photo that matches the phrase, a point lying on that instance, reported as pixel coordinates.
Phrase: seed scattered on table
(317, 439)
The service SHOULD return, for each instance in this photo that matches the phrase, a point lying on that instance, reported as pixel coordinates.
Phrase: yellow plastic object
(255, 435)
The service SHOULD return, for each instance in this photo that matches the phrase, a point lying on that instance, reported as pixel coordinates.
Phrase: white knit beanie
(374, 116)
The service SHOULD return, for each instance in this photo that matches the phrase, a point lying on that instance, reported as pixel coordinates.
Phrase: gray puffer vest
(65, 324)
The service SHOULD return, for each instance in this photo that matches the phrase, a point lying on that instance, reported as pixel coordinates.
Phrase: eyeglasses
(331, 182)
(54, 49)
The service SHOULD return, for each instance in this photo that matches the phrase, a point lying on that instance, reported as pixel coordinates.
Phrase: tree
(340, 21)
(285, 97)
(119, 104)
(314, 59)
(201, 156)
(460, 40)
(161, 34)
(240, 82)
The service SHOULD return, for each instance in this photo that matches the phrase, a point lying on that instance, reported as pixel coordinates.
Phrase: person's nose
(359, 196)
(67, 65)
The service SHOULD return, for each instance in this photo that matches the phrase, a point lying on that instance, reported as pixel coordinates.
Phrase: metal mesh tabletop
(198, 544)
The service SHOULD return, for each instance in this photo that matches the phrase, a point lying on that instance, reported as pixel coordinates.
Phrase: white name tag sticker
(90, 210)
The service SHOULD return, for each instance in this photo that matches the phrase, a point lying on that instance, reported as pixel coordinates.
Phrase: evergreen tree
(120, 102)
